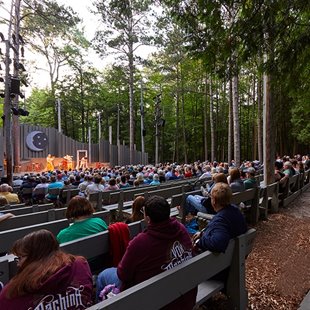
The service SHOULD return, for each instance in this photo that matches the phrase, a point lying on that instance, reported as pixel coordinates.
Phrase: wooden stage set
(38, 165)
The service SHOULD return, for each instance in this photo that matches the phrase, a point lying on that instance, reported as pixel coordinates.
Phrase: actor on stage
(83, 162)
(49, 160)
(68, 162)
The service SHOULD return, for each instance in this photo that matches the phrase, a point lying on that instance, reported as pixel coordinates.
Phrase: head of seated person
(234, 174)
(137, 210)
(3, 201)
(39, 258)
(219, 177)
(98, 179)
(221, 196)
(156, 210)
(79, 208)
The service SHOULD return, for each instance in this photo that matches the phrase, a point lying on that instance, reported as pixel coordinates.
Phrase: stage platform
(38, 165)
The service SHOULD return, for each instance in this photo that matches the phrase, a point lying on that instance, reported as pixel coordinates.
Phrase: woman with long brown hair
(137, 213)
(47, 277)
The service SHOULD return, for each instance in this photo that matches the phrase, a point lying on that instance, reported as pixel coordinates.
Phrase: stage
(39, 165)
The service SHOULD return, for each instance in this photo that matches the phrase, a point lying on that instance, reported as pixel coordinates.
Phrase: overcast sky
(90, 23)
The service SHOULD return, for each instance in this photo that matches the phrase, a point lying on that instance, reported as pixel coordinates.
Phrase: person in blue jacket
(227, 223)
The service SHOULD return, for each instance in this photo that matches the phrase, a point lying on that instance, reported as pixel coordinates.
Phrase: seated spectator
(202, 203)
(168, 174)
(228, 222)
(188, 172)
(68, 185)
(235, 181)
(3, 201)
(112, 186)
(95, 187)
(277, 171)
(287, 173)
(123, 183)
(140, 179)
(80, 211)
(88, 180)
(173, 175)
(53, 185)
(136, 183)
(17, 181)
(161, 175)
(300, 167)
(250, 181)
(164, 244)
(40, 190)
(7, 191)
(155, 180)
(75, 181)
(137, 212)
(47, 276)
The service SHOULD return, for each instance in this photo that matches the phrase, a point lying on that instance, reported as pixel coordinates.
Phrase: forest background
(218, 65)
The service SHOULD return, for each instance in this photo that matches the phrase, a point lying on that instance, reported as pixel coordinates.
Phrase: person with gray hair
(7, 191)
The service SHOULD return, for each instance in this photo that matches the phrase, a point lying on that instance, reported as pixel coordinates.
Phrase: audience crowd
(46, 276)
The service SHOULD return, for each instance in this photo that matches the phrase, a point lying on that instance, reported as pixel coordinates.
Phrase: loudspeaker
(15, 86)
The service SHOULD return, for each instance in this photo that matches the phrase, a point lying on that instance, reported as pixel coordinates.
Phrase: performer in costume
(49, 160)
(68, 162)
(83, 162)
(69, 159)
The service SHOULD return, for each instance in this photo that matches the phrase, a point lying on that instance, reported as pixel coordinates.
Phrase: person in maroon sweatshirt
(164, 244)
(47, 277)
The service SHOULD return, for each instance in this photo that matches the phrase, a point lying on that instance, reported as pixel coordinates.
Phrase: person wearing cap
(250, 181)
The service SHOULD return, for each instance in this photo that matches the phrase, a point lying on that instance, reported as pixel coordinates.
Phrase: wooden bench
(269, 199)
(8, 237)
(29, 209)
(198, 271)
(67, 194)
(291, 190)
(12, 206)
(170, 284)
(250, 198)
(91, 247)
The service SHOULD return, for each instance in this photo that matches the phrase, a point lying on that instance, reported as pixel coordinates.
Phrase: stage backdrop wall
(59, 145)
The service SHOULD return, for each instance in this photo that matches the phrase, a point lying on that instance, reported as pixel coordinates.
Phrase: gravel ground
(278, 268)
(278, 273)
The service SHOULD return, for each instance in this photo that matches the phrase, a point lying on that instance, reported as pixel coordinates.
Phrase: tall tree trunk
(254, 145)
(211, 120)
(131, 88)
(230, 123)
(177, 127)
(236, 117)
(15, 118)
(205, 120)
(183, 116)
(259, 120)
(269, 142)
(131, 106)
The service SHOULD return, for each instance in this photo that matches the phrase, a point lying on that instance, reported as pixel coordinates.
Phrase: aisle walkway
(278, 273)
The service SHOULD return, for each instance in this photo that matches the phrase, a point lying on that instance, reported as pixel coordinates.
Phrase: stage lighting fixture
(23, 112)
(15, 111)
